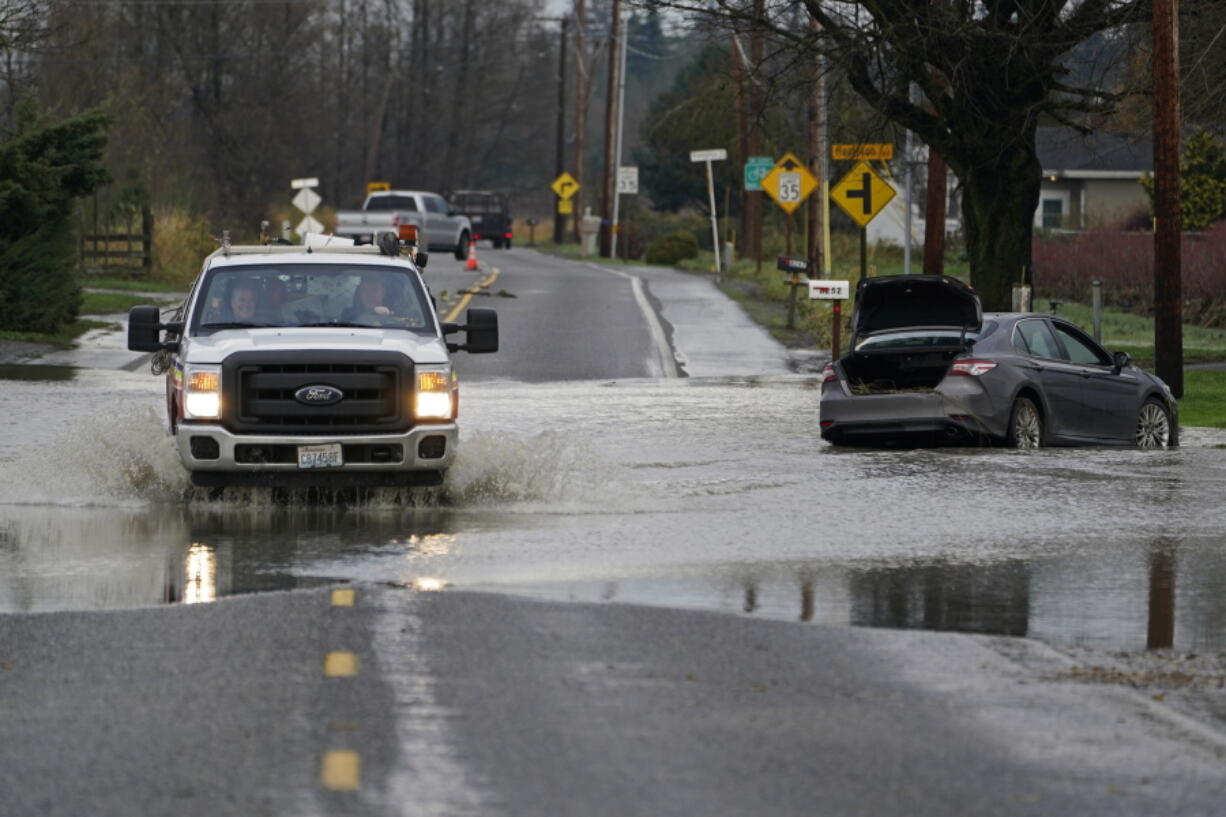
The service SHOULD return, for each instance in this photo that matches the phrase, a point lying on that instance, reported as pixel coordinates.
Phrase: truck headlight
(202, 393)
(435, 398)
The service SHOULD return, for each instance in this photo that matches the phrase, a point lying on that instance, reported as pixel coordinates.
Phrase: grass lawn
(1204, 399)
(1132, 333)
(130, 285)
(112, 303)
(63, 338)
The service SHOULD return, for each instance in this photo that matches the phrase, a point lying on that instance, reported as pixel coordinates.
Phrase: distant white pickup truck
(443, 229)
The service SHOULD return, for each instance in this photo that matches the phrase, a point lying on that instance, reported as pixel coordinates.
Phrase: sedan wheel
(1153, 426)
(1025, 425)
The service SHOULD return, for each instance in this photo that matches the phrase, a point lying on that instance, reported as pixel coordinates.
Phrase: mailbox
(823, 290)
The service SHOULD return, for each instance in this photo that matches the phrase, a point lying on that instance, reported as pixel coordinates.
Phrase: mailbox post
(837, 292)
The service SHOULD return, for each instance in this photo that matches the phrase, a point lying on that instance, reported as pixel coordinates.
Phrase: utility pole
(744, 235)
(1168, 287)
(559, 220)
(908, 190)
(617, 150)
(817, 161)
(581, 86)
(754, 144)
(934, 219)
(606, 195)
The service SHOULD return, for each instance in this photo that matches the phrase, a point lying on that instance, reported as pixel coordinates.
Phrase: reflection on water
(1161, 624)
(37, 373)
(993, 598)
(199, 575)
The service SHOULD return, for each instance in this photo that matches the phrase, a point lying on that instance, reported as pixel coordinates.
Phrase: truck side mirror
(145, 330)
(481, 329)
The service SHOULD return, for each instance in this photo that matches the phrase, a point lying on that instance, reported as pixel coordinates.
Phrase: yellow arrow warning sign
(789, 183)
(565, 186)
(862, 194)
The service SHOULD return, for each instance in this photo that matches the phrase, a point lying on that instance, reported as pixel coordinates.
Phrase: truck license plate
(320, 456)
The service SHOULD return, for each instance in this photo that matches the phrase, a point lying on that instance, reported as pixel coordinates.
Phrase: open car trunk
(906, 331)
(884, 372)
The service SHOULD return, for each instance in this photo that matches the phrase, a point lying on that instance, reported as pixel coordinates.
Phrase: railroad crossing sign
(756, 168)
(789, 183)
(862, 194)
(307, 200)
(565, 186)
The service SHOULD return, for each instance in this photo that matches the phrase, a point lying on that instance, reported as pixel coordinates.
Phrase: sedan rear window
(916, 339)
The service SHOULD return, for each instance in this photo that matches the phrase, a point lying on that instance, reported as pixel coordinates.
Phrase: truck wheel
(506, 244)
(461, 249)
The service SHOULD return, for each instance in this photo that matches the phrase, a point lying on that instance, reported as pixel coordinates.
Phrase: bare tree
(989, 70)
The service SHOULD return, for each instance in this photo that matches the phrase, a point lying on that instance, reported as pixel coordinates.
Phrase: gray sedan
(928, 366)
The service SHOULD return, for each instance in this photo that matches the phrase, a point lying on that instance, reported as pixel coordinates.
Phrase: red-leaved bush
(1065, 266)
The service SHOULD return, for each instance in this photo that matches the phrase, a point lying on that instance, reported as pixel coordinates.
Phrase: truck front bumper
(212, 448)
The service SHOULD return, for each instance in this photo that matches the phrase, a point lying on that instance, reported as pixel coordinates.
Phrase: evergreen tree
(44, 168)
(1202, 185)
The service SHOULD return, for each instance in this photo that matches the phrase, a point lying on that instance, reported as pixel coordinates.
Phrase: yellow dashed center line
(343, 598)
(341, 770)
(340, 665)
(468, 294)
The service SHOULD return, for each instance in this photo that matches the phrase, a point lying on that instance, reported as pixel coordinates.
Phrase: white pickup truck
(443, 229)
(292, 365)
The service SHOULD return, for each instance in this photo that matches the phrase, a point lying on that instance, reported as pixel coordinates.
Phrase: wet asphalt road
(703, 486)
(469, 704)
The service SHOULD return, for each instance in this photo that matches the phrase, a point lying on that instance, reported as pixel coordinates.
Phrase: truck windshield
(321, 295)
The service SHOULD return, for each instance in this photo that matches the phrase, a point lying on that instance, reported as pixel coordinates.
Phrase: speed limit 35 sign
(789, 183)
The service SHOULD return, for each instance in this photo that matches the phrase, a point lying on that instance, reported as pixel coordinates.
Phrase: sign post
(627, 183)
(862, 194)
(709, 156)
(836, 292)
(306, 200)
(789, 183)
(756, 168)
(564, 187)
(795, 266)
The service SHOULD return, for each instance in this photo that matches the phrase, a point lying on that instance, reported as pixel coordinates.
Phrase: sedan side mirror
(420, 258)
(1122, 360)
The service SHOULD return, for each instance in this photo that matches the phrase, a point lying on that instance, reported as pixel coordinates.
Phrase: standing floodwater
(705, 493)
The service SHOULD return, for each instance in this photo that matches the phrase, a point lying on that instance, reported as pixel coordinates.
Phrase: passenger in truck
(375, 303)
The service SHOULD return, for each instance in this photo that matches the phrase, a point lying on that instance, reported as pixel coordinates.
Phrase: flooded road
(705, 493)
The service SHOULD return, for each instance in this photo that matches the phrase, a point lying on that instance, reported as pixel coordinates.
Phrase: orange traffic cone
(472, 256)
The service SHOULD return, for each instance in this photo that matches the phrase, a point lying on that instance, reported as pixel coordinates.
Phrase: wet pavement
(703, 493)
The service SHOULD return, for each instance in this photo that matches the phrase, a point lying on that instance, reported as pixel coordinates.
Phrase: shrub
(180, 243)
(669, 249)
(1124, 261)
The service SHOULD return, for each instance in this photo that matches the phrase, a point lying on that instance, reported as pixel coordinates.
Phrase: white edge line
(668, 364)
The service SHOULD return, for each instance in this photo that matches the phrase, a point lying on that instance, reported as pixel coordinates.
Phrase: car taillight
(973, 368)
(828, 375)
